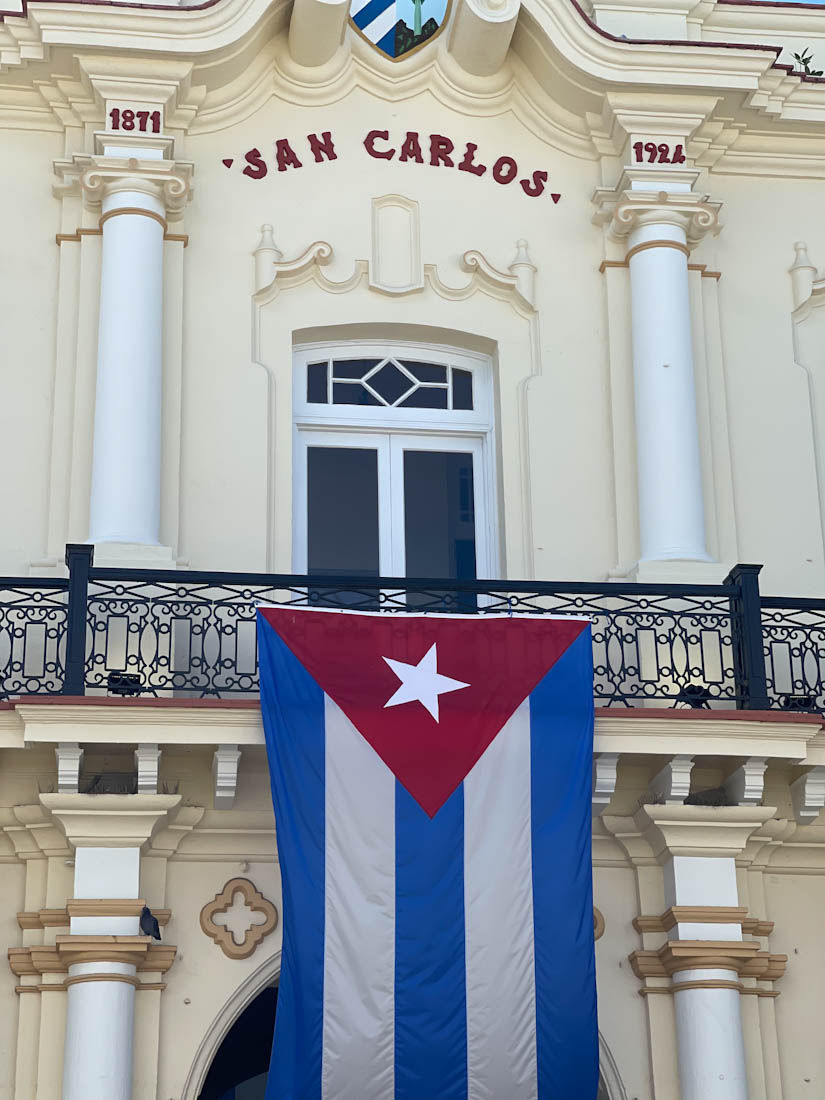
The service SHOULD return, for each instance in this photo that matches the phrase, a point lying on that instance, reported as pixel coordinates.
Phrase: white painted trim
(480, 417)
(611, 1081)
(386, 429)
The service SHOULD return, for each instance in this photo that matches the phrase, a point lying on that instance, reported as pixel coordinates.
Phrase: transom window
(391, 382)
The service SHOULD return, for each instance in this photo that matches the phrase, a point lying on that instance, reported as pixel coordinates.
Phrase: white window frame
(391, 431)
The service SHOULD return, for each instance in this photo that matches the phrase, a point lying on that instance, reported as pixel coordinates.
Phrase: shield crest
(396, 27)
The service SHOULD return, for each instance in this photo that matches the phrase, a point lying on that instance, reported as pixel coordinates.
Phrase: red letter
(256, 167)
(505, 170)
(322, 147)
(536, 187)
(440, 148)
(411, 150)
(284, 155)
(369, 145)
(467, 164)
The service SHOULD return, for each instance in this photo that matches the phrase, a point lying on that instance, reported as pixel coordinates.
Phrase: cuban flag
(431, 777)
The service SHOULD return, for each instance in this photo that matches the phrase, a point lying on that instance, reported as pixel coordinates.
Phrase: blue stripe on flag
(561, 725)
(430, 980)
(293, 707)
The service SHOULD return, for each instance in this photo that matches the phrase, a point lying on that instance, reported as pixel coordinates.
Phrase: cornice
(239, 56)
(208, 722)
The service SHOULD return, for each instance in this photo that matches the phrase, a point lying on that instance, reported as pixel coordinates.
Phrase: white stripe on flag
(376, 30)
(498, 903)
(356, 6)
(359, 933)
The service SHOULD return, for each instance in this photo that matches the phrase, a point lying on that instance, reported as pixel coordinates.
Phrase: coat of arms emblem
(397, 26)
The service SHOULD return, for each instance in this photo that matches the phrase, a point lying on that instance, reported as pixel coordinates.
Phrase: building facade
(517, 297)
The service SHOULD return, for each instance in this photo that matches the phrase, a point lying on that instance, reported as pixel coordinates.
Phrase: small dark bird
(149, 923)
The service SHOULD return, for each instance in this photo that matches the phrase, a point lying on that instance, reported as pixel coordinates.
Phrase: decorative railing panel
(33, 624)
(195, 634)
(184, 634)
(793, 633)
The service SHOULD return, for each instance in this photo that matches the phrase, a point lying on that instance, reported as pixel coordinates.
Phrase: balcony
(180, 634)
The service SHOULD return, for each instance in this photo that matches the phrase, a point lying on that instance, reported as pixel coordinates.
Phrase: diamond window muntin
(389, 382)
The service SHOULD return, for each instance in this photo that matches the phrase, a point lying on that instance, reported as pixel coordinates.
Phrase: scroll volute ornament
(255, 933)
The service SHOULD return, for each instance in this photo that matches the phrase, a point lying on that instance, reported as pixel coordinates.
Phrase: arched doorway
(239, 1068)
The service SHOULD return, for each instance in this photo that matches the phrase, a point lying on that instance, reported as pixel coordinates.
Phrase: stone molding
(692, 914)
(704, 914)
(778, 735)
(742, 957)
(44, 959)
(255, 934)
(88, 907)
(699, 830)
(242, 29)
(274, 274)
(109, 820)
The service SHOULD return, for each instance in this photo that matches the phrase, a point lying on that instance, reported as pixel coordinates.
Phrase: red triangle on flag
(428, 692)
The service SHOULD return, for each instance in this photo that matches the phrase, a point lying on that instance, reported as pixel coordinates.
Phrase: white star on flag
(421, 683)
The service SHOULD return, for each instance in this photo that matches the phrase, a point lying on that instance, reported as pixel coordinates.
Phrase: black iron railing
(192, 634)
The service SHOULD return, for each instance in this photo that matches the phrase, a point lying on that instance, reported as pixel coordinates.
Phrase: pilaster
(656, 217)
(698, 949)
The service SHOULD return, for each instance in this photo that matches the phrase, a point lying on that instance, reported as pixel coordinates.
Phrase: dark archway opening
(239, 1069)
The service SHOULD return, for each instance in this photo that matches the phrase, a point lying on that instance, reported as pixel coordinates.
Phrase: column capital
(109, 820)
(626, 208)
(99, 177)
(700, 830)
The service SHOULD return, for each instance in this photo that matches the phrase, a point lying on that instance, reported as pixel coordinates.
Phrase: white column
(658, 218)
(708, 1019)
(709, 1034)
(705, 954)
(97, 1063)
(671, 505)
(125, 497)
(104, 947)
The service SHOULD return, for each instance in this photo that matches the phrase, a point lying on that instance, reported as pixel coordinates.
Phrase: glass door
(392, 504)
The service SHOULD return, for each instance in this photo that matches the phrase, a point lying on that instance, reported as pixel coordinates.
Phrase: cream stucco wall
(226, 429)
(566, 99)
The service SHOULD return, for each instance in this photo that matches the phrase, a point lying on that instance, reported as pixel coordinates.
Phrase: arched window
(394, 463)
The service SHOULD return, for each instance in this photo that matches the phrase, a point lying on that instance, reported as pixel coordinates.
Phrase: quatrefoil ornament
(239, 918)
